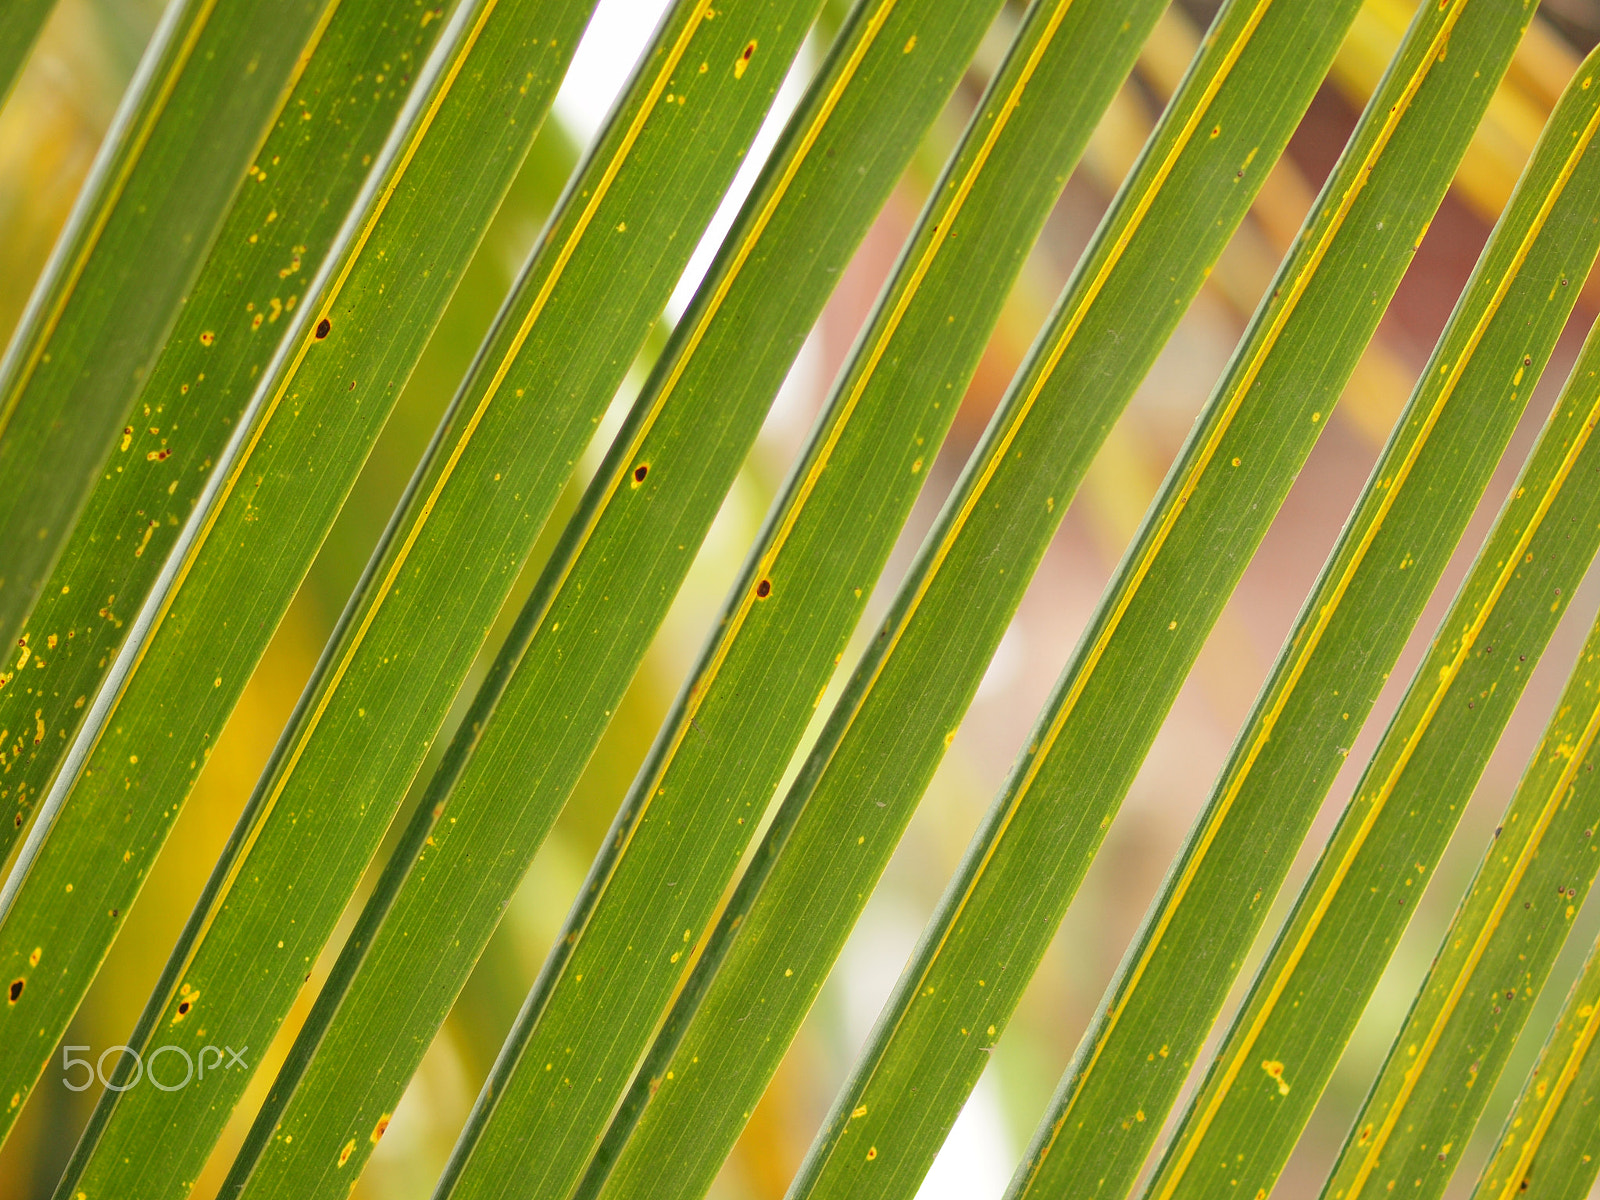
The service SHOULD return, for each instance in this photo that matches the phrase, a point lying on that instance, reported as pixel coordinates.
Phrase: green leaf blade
(714, 1056)
(998, 215)
(1175, 978)
(629, 220)
(1279, 1052)
(1503, 941)
(1547, 1148)
(141, 229)
(690, 429)
(787, 618)
(1027, 859)
(356, 334)
(272, 242)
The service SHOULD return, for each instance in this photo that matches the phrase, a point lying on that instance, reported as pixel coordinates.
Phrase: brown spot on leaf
(744, 60)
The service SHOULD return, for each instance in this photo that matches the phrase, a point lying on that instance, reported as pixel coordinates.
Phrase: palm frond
(291, 212)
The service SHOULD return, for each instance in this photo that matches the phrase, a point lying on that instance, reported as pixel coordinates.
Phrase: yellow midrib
(1414, 1073)
(1191, 1139)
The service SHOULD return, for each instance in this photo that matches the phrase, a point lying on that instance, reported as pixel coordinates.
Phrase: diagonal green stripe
(1550, 1148)
(1175, 978)
(271, 245)
(790, 914)
(1277, 1056)
(628, 222)
(446, 563)
(999, 198)
(1027, 859)
(356, 333)
(786, 621)
(895, 63)
(141, 228)
(1504, 939)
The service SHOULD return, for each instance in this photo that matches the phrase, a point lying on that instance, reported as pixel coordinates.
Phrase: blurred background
(49, 132)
